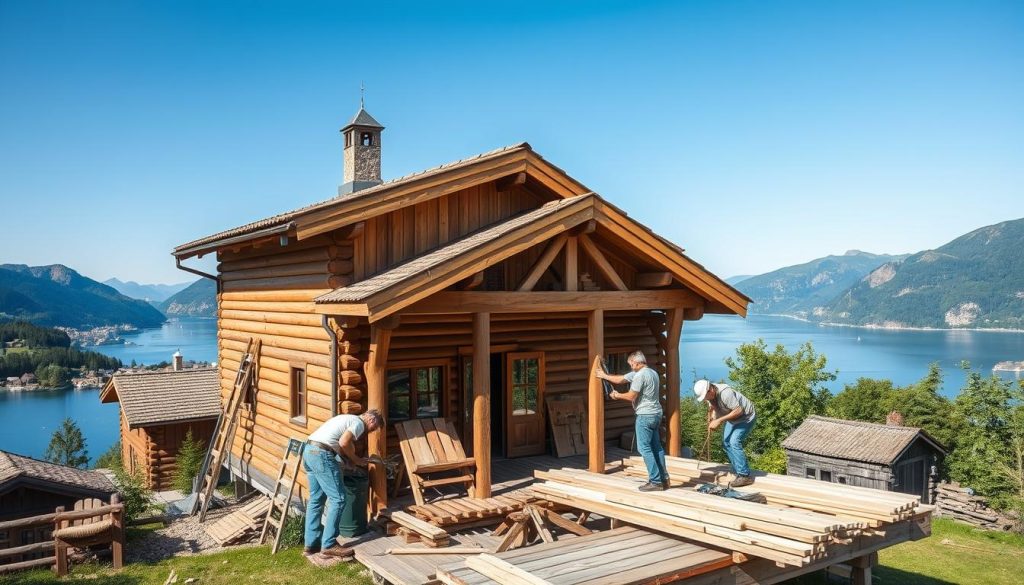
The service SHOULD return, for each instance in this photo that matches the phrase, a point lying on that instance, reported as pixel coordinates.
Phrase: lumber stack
(456, 512)
(415, 530)
(790, 536)
(954, 501)
(873, 508)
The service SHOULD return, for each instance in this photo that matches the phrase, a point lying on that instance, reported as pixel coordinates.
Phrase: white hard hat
(700, 389)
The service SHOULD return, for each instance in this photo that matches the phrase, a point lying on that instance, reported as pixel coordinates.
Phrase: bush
(771, 461)
(293, 532)
(111, 458)
(134, 493)
(190, 458)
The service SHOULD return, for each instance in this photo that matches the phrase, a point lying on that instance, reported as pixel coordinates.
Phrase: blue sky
(754, 134)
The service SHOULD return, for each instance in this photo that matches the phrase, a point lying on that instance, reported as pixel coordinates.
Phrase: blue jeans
(732, 440)
(648, 442)
(324, 476)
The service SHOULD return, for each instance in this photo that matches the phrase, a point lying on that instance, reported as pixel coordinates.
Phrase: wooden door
(524, 404)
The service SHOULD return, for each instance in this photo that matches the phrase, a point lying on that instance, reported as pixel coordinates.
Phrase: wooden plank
(502, 571)
(423, 528)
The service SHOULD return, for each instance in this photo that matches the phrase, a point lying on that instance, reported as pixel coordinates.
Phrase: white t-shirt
(331, 431)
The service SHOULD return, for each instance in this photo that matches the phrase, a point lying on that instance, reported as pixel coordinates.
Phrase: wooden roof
(855, 440)
(15, 468)
(152, 398)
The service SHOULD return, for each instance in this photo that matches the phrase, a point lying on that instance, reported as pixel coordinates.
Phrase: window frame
(822, 473)
(811, 472)
(414, 392)
(295, 395)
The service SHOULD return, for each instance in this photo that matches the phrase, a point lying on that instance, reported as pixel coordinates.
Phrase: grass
(968, 556)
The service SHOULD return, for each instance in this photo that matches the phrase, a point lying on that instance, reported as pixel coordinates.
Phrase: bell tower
(361, 157)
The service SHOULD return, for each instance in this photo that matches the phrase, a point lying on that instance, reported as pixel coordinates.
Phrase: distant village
(106, 335)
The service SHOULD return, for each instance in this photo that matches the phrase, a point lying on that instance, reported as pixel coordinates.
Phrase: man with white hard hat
(731, 407)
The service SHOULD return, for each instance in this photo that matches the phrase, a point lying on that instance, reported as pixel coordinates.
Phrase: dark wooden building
(157, 411)
(29, 487)
(888, 457)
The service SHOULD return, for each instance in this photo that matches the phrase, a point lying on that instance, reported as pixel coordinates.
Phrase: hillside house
(158, 409)
(888, 457)
(428, 296)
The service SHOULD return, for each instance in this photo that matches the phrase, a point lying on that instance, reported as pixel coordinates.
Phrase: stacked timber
(873, 508)
(788, 536)
(450, 513)
(960, 503)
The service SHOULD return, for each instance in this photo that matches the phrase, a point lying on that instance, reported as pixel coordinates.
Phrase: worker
(731, 407)
(336, 437)
(644, 388)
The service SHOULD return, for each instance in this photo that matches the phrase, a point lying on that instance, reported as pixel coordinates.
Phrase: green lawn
(968, 557)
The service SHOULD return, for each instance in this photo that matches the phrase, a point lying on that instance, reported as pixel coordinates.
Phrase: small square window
(825, 476)
(366, 139)
(812, 473)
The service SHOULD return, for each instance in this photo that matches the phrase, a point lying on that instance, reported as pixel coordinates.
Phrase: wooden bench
(430, 449)
(90, 523)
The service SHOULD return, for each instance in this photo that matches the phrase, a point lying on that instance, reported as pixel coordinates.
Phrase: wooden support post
(376, 397)
(60, 550)
(674, 325)
(482, 403)
(572, 265)
(117, 542)
(595, 349)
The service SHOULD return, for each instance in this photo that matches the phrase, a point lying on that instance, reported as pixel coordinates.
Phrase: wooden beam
(595, 430)
(543, 262)
(602, 263)
(472, 282)
(584, 228)
(549, 301)
(374, 371)
(653, 279)
(694, 313)
(572, 265)
(511, 181)
(674, 330)
(482, 403)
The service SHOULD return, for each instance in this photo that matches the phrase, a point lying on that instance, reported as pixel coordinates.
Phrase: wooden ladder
(224, 432)
(281, 499)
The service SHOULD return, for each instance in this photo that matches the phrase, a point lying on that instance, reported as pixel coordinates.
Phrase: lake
(27, 419)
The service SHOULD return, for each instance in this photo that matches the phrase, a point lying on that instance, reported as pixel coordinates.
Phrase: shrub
(293, 532)
(111, 458)
(190, 458)
(134, 493)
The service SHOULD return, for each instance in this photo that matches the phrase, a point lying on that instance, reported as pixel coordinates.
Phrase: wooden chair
(430, 446)
(90, 523)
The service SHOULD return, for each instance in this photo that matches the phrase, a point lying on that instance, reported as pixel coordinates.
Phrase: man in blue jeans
(737, 412)
(335, 437)
(644, 385)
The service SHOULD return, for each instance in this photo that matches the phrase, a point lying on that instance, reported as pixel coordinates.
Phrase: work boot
(310, 550)
(337, 551)
(665, 485)
(652, 487)
(740, 481)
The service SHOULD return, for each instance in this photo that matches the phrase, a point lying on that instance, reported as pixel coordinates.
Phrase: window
(415, 392)
(525, 386)
(617, 362)
(841, 479)
(298, 395)
(348, 139)
(825, 476)
(812, 473)
(366, 138)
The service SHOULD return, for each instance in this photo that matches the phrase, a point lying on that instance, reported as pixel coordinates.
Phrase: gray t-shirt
(728, 399)
(646, 385)
(331, 431)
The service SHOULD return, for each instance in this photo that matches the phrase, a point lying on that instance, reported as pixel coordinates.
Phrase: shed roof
(164, 397)
(855, 440)
(14, 467)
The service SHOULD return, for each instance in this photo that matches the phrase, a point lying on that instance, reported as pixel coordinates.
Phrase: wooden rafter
(602, 263)
(543, 262)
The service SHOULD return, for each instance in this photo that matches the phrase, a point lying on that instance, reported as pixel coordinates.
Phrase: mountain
(154, 293)
(199, 299)
(976, 280)
(734, 280)
(56, 295)
(800, 290)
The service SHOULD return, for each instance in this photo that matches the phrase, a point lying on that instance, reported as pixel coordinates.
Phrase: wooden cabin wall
(267, 294)
(135, 446)
(164, 441)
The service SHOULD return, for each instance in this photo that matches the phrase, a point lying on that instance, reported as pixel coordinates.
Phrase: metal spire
(362, 92)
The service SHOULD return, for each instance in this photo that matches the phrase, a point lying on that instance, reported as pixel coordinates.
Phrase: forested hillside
(199, 299)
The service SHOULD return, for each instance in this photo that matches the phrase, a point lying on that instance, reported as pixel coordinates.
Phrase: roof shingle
(853, 440)
(14, 466)
(164, 397)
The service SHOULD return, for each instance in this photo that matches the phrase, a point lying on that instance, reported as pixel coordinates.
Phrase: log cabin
(158, 410)
(471, 291)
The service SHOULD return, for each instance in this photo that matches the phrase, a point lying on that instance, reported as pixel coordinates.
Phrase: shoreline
(889, 328)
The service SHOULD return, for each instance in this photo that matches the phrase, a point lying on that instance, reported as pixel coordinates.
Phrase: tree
(67, 445)
(867, 400)
(188, 461)
(111, 458)
(984, 408)
(1013, 469)
(922, 406)
(785, 388)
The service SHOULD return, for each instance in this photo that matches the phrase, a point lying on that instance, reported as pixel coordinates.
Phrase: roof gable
(164, 397)
(855, 440)
(14, 468)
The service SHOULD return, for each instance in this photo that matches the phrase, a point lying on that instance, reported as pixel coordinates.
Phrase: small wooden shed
(880, 456)
(157, 411)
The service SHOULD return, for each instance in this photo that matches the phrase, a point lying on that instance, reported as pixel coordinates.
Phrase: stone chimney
(177, 361)
(894, 419)
(361, 157)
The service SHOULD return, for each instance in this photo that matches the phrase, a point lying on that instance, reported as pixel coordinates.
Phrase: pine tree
(189, 460)
(67, 445)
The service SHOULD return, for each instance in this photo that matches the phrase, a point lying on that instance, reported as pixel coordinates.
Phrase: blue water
(27, 419)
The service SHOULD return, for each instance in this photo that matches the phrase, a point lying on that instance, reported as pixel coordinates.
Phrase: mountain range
(57, 295)
(154, 293)
(974, 281)
(199, 299)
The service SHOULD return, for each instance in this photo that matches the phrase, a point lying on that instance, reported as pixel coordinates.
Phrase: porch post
(482, 403)
(674, 326)
(595, 350)
(376, 397)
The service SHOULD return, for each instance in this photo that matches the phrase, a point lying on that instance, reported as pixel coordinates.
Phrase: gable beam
(510, 182)
(550, 301)
(602, 263)
(543, 262)
(653, 279)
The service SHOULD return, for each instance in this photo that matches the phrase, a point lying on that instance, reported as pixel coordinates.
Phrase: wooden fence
(48, 546)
